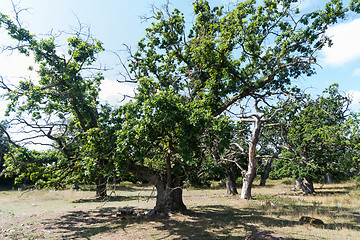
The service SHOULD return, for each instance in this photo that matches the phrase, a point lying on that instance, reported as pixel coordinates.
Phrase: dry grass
(212, 215)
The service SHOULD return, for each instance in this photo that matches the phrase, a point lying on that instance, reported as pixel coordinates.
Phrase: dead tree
(259, 120)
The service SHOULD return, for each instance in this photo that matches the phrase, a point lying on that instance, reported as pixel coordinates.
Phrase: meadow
(68, 214)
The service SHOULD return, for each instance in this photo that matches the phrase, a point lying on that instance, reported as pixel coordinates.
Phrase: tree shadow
(332, 212)
(202, 222)
(332, 190)
(114, 199)
(347, 189)
(85, 224)
(329, 193)
(320, 191)
(220, 222)
(205, 222)
(135, 188)
(263, 186)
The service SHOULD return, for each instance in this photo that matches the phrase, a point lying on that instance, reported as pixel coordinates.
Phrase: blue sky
(117, 22)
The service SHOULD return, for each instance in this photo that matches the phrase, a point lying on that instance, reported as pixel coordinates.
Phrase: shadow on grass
(335, 213)
(332, 190)
(114, 199)
(347, 189)
(206, 222)
(329, 193)
(220, 222)
(81, 224)
(132, 188)
(263, 186)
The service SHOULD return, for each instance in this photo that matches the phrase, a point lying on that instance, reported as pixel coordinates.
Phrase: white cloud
(355, 97)
(304, 4)
(346, 47)
(113, 92)
(16, 65)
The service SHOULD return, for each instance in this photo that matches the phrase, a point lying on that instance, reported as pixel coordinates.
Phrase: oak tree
(227, 56)
(62, 104)
(316, 137)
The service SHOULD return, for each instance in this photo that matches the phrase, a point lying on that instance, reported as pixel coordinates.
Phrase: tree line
(213, 101)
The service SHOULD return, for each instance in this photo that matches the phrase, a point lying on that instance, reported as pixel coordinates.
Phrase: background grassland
(67, 214)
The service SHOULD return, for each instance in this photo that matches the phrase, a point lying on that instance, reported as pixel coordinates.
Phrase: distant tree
(351, 131)
(235, 158)
(315, 137)
(4, 149)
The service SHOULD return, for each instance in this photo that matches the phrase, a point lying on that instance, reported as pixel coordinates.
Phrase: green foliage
(65, 100)
(4, 148)
(225, 57)
(30, 166)
(186, 80)
(316, 133)
(167, 125)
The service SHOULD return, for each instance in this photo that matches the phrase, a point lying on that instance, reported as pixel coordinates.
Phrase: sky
(117, 22)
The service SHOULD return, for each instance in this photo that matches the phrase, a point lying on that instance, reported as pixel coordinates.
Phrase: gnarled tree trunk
(248, 181)
(251, 172)
(231, 182)
(169, 198)
(266, 172)
(100, 187)
(305, 184)
(169, 189)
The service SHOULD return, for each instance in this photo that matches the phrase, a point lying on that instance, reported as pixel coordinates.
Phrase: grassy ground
(71, 214)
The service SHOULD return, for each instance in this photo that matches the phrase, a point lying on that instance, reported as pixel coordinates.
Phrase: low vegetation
(68, 214)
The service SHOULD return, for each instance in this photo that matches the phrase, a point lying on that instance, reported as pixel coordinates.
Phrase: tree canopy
(63, 103)
(317, 137)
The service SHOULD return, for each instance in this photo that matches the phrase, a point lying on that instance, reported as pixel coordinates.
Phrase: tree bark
(297, 183)
(231, 182)
(169, 199)
(251, 172)
(266, 173)
(100, 187)
(305, 184)
(169, 189)
(248, 181)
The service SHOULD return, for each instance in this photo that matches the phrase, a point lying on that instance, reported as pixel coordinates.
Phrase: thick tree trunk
(169, 189)
(169, 199)
(265, 174)
(100, 187)
(231, 182)
(248, 181)
(297, 184)
(305, 184)
(251, 172)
